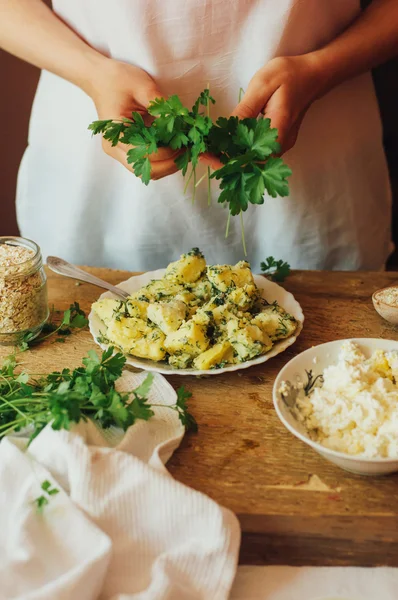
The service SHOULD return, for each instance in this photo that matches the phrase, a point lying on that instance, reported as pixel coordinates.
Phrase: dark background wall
(19, 84)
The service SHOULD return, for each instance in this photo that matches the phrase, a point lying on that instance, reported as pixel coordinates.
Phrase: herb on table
(44, 499)
(246, 148)
(67, 397)
(73, 318)
(181, 406)
(276, 270)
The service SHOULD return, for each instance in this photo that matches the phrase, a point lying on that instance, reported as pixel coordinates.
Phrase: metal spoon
(60, 266)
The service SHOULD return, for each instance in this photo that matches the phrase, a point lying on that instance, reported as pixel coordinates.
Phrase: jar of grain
(23, 290)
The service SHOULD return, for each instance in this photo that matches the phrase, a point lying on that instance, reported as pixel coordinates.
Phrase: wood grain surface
(294, 507)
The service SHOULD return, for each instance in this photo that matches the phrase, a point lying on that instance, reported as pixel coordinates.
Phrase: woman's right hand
(117, 90)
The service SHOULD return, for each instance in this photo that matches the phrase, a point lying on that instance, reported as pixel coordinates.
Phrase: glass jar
(23, 290)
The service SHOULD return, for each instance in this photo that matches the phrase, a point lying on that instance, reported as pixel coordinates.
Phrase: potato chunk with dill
(168, 316)
(275, 322)
(136, 337)
(190, 339)
(212, 357)
(106, 308)
(248, 341)
(224, 277)
(156, 290)
(188, 269)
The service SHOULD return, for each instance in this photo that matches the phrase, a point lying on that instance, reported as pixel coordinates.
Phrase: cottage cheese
(355, 410)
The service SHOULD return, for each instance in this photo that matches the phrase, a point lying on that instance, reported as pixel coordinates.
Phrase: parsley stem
(208, 187)
(243, 233)
(228, 222)
(24, 415)
(9, 424)
(200, 180)
(188, 180)
(194, 186)
(241, 92)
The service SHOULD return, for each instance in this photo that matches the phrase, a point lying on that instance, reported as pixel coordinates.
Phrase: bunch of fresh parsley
(246, 148)
(67, 397)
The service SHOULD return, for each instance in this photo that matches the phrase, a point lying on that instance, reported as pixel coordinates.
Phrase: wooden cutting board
(294, 507)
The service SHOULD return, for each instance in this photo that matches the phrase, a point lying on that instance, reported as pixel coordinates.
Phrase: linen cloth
(121, 528)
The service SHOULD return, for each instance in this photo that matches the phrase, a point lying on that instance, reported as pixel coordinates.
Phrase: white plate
(327, 354)
(269, 290)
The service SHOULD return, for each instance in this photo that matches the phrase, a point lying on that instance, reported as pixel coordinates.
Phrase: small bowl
(385, 310)
(317, 359)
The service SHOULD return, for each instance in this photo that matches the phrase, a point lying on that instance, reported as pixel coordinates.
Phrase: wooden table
(294, 507)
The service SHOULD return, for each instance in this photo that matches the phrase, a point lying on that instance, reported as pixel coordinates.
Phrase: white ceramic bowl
(269, 290)
(325, 355)
(385, 310)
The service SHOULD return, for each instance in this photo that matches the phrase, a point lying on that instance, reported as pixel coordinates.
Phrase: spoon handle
(60, 266)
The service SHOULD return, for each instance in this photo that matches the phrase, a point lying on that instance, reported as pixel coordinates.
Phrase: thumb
(252, 102)
(147, 93)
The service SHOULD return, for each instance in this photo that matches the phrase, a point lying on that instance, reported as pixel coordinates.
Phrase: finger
(253, 101)
(210, 160)
(159, 169)
(163, 168)
(164, 154)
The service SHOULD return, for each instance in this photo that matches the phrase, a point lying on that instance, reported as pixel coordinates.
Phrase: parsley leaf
(185, 417)
(44, 499)
(275, 173)
(276, 270)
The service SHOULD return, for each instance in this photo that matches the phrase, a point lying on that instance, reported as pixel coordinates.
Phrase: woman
(108, 58)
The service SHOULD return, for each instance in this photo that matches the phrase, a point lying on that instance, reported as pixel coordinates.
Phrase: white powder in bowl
(388, 296)
(355, 410)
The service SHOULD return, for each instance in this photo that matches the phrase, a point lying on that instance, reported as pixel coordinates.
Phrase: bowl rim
(315, 445)
(378, 301)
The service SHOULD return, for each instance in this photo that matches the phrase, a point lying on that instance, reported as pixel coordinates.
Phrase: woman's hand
(118, 89)
(283, 90)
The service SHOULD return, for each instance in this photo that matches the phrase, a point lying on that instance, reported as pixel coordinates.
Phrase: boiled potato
(275, 322)
(168, 316)
(134, 336)
(248, 341)
(107, 308)
(180, 361)
(158, 289)
(223, 277)
(188, 268)
(243, 297)
(214, 356)
(190, 338)
(137, 308)
(202, 289)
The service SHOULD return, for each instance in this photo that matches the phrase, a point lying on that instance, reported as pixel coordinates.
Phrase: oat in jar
(23, 289)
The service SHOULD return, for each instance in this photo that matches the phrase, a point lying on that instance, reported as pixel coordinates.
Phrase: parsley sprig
(72, 318)
(276, 270)
(246, 147)
(44, 499)
(67, 397)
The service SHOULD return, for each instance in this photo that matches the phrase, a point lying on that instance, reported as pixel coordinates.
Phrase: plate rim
(146, 365)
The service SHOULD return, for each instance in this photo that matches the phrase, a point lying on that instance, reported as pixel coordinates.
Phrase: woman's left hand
(283, 90)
